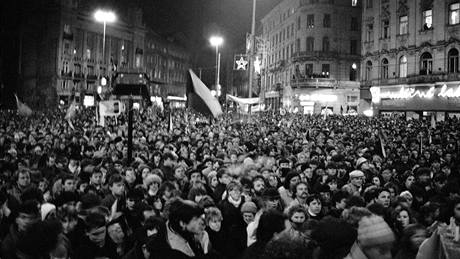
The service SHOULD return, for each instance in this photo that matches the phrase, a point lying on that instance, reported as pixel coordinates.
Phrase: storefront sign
(318, 97)
(410, 92)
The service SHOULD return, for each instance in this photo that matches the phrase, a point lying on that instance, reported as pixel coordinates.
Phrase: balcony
(66, 73)
(79, 75)
(414, 79)
(313, 83)
(91, 77)
(310, 55)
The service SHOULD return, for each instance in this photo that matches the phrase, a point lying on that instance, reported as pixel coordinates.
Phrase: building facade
(311, 55)
(62, 53)
(410, 63)
(167, 64)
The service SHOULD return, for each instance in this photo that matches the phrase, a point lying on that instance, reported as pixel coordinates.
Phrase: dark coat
(234, 229)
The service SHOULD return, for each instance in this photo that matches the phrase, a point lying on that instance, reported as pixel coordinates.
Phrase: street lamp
(216, 41)
(105, 17)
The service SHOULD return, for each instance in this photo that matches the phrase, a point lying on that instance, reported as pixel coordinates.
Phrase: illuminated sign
(241, 62)
(318, 97)
(411, 92)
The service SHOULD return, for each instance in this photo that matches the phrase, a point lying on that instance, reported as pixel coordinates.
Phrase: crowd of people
(292, 186)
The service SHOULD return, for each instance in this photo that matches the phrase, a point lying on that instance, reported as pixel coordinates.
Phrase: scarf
(235, 203)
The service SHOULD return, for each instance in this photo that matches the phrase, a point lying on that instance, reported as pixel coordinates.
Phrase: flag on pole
(382, 144)
(433, 122)
(71, 111)
(199, 97)
(23, 109)
(170, 126)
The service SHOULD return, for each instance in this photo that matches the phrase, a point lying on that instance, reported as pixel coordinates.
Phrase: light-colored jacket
(177, 242)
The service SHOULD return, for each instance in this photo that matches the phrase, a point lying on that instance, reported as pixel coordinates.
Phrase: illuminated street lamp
(216, 41)
(104, 17)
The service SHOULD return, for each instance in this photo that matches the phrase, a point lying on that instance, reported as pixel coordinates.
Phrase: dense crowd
(292, 186)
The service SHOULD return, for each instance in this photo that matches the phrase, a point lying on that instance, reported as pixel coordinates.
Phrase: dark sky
(199, 19)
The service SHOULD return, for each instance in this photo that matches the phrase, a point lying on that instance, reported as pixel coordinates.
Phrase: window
(325, 70)
(386, 29)
(403, 66)
(298, 23)
(453, 61)
(310, 21)
(326, 44)
(403, 24)
(353, 47)
(327, 21)
(310, 44)
(369, 32)
(352, 98)
(454, 12)
(384, 68)
(354, 24)
(427, 19)
(308, 69)
(297, 45)
(367, 75)
(369, 4)
(426, 64)
(287, 32)
(354, 2)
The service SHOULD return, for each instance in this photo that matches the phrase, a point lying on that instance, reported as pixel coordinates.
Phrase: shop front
(321, 101)
(438, 100)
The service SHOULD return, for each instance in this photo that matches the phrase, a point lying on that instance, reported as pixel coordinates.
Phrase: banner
(243, 101)
(23, 109)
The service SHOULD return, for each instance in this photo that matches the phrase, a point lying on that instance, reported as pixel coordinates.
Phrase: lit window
(354, 2)
(403, 66)
(454, 11)
(403, 24)
(427, 19)
(386, 29)
(310, 21)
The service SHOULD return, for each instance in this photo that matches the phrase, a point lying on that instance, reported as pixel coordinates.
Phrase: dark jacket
(234, 229)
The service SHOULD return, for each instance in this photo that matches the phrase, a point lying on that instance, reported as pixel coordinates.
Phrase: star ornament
(241, 64)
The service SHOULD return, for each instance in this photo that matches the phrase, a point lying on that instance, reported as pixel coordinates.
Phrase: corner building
(311, 58)
(410, 62)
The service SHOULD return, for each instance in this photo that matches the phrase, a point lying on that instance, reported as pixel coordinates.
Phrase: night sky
(199, 19)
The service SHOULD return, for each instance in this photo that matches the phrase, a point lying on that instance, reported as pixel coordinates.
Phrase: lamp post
(216, 41)
(105, 17)
(252, 48)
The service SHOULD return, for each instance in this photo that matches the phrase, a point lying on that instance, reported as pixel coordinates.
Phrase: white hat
(356, 173)
(45, 209)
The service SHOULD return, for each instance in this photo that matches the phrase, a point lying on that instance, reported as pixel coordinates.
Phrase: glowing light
(105, 16)
(368, 113)
(411, 92)
(257, 64)
(318, 97)
(213, 92)
(449, 92)
(216, 41)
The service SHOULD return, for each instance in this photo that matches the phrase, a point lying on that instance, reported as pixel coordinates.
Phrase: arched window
(403, 66)
(384, 68)
(368, 74)
(326, 44)
(453, 61)
(426, 64)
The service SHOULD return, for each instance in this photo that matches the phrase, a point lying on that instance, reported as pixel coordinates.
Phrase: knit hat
(360, 161)
(406, 194)
(249, 207)
(45, 209)
(374, 231)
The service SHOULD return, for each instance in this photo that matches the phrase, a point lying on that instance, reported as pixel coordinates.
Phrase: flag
(199, 97)
(382, 144)
(341, 109)
(170, 126)
(433, 122)
(23, 109)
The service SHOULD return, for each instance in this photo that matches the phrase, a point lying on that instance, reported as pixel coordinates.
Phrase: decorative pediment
(385, 12)
(426, 44)
(452, 40)
(426, 5)
(403, 9)
(369, 19)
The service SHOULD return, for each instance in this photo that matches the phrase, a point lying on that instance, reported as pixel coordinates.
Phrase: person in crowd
(314, 206)
(214, 229)
(248, 211)
(412, 237)
(271, 223)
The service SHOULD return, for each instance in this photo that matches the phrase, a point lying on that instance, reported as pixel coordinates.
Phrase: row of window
(288, 31)
(288, 51)
(426, 65)
(427, 22)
